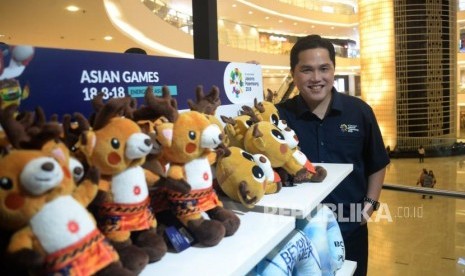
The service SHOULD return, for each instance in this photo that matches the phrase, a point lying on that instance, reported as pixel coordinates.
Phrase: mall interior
(406, 59)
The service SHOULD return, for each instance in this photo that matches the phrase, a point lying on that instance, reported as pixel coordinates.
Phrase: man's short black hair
(311, 42)
(135, 50)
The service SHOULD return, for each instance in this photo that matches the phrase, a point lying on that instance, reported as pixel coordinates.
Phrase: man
(421, 154)
(336, 128)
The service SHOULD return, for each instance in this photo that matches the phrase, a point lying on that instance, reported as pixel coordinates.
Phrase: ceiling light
(250, 12)
(277, 38)
(72, 8)
(234, 5)
(327, 9)
(108, 37)
(267, 17)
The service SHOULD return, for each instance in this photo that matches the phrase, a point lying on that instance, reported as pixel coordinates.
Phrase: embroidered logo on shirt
(349, 128)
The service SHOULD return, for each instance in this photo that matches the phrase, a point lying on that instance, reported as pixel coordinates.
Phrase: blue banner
(65, 81)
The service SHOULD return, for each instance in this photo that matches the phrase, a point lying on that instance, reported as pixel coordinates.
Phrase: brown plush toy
(53, 231)
(207, 104)
(244, 177)
(235, 128)
(266, 111)
(42, 208)
(188, 145)
(117, 147)
(267, 139)
(155, 108)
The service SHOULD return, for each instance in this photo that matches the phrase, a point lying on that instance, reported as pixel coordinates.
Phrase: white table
(257, 235)
(262, 228)
(298, 201)
(347, 269)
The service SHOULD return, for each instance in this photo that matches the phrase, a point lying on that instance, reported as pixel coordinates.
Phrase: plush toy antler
(206, 104)
(73, 130)
(28, 133)
(156, 107)
(114, 107)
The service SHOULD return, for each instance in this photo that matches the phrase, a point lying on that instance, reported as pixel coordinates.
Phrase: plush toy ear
(164, 133)
(258, 140)
(57, 150)
(145, 125)
(87, 142)
(167, 134)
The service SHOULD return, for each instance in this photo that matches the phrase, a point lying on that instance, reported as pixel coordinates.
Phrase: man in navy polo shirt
(336, 128)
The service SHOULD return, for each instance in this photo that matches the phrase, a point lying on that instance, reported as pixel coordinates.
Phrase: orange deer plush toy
(117, 147)
(44, 209)
(188, 146)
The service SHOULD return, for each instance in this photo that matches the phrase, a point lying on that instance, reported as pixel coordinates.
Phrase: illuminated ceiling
(47, 23)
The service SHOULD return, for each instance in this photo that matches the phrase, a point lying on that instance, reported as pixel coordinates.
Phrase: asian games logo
(243, 82)
(348, 128)
(236, 81)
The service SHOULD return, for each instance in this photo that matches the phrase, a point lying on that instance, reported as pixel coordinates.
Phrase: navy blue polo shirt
(349, 133)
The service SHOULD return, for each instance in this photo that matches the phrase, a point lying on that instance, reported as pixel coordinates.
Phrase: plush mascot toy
(53, 233)
(294, 256)
(265, 138)
(207, 104)
(314, 173)
(244, 177)
(188, 146)
(117, 147)
(323, 230)
(156, 109)
(266, 111)
(235, 128)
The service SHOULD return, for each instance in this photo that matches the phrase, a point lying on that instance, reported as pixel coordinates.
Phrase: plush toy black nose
(148, 142)
(221, 136)
(48, 166)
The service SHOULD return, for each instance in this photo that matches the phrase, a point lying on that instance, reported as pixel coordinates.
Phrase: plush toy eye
(74, 149)
(115, 143)
(247, 156)
(192, 135)
(274, 119)
(6, 183)
(258, 173)
(276, 133)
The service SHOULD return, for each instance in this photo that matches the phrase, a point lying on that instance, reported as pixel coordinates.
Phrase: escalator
(285, 91)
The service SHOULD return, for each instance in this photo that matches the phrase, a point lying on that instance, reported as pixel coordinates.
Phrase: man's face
(314, 75)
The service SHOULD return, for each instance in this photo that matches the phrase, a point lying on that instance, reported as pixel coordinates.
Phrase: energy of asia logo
(243, 82)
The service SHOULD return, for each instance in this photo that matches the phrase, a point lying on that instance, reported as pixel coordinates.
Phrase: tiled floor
(416, 236)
